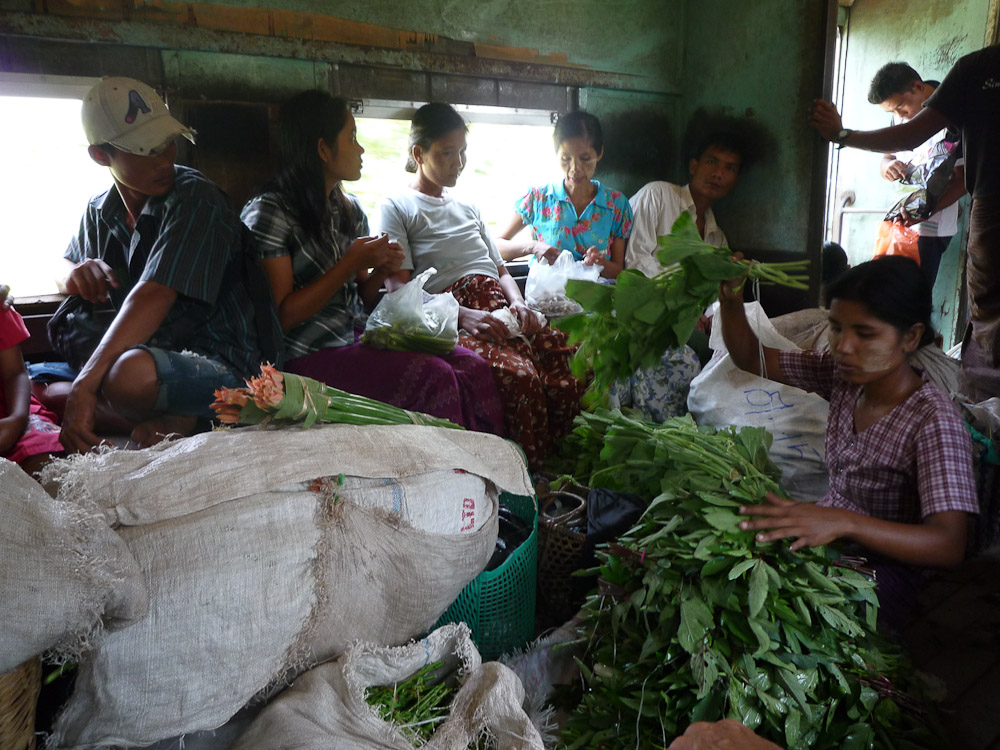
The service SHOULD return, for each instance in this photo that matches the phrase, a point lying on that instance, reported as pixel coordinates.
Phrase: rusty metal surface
(172, 36)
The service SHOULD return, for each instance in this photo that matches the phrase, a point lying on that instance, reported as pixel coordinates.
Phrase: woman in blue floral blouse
(577, 213)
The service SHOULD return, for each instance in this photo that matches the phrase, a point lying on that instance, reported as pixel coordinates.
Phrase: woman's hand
(543, 250)
(530, 322)
(92, 279)
(811, 525)
(594, 257)
(370, 252)
(393, 262)
(482, 325)
(6, 301)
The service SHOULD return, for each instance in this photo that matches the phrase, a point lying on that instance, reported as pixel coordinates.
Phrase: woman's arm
(937, 542)
(741, 341)
(296, 306)
(16, 389)
(511, 249)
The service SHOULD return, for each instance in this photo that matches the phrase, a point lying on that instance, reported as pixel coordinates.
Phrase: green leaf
(682, 242)
(763, 639)
(792, 732)
(594, 297)
(716, 267)
(758, 589)
(632, 290)
(696, 619)
(859, 737)
(715, 565)
(741, 568)
(802, 609)
(722, 519)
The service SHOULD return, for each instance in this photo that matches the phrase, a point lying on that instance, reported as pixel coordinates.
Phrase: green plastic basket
(499, 605)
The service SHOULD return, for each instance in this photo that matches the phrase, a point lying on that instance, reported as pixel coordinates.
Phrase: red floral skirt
(539, 394)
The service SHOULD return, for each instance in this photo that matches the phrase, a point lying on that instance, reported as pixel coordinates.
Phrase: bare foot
(158, 429)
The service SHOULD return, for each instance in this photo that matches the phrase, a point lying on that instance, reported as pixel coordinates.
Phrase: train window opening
(508, 153)
(49, 179)
(50, 176)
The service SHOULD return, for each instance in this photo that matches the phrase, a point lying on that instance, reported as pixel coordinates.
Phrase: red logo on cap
(136, 104)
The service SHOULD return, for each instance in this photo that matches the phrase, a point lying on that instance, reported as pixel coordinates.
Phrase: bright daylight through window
(50, 177)
(503, 162)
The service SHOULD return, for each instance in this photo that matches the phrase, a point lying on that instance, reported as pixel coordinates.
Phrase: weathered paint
(638, 47)
(930, 35)
(758, 65)
(154, 36)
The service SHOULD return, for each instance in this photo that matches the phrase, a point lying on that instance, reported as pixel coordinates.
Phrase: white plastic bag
(411, 320)
(545, 288)
(724, 395)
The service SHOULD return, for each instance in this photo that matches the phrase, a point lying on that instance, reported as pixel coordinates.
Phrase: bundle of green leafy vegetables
(418, 704)
(693, 620)
(629, 325)
(409, 336)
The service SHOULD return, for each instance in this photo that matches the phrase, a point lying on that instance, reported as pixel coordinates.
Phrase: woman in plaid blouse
(314, 244)
(899, 456)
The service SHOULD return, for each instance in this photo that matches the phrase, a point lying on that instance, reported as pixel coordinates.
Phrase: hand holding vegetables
(628, 326)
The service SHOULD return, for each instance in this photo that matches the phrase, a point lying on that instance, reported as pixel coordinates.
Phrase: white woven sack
(722, 395)
(326, 706)
(61, 570)
(203, 470)
(413, 499)
(246, 591)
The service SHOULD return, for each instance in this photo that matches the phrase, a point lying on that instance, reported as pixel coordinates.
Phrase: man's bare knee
(131, 385)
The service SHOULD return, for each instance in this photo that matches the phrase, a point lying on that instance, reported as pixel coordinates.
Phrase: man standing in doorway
(899, 90)
(968, 98)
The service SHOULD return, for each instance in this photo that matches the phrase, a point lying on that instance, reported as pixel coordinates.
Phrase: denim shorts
(188, 381)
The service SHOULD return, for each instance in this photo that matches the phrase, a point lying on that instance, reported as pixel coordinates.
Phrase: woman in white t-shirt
(530, 361)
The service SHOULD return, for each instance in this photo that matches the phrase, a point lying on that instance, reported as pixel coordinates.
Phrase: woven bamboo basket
(18, 698)
(562, 532)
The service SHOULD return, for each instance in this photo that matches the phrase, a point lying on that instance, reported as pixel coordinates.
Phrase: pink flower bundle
(289, 398)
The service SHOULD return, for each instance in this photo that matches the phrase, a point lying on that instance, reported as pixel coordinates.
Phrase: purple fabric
(459, 387)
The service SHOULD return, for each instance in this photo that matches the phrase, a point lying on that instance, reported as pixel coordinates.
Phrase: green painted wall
(636, 37)
(759, 64)
(930, 35)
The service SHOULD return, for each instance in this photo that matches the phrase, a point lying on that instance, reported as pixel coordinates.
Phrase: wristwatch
(842, 137)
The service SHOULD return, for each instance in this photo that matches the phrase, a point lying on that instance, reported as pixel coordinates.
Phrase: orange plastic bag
(895, 238)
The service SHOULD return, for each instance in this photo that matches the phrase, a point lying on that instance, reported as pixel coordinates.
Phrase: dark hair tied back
(893, 288)
(579, 124)
(431, 123)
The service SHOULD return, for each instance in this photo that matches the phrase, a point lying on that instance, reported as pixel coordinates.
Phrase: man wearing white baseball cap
(166, 249)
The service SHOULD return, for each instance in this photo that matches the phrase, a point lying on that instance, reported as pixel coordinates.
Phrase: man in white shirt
(899, 90)
(655, 208)
(661, 392)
